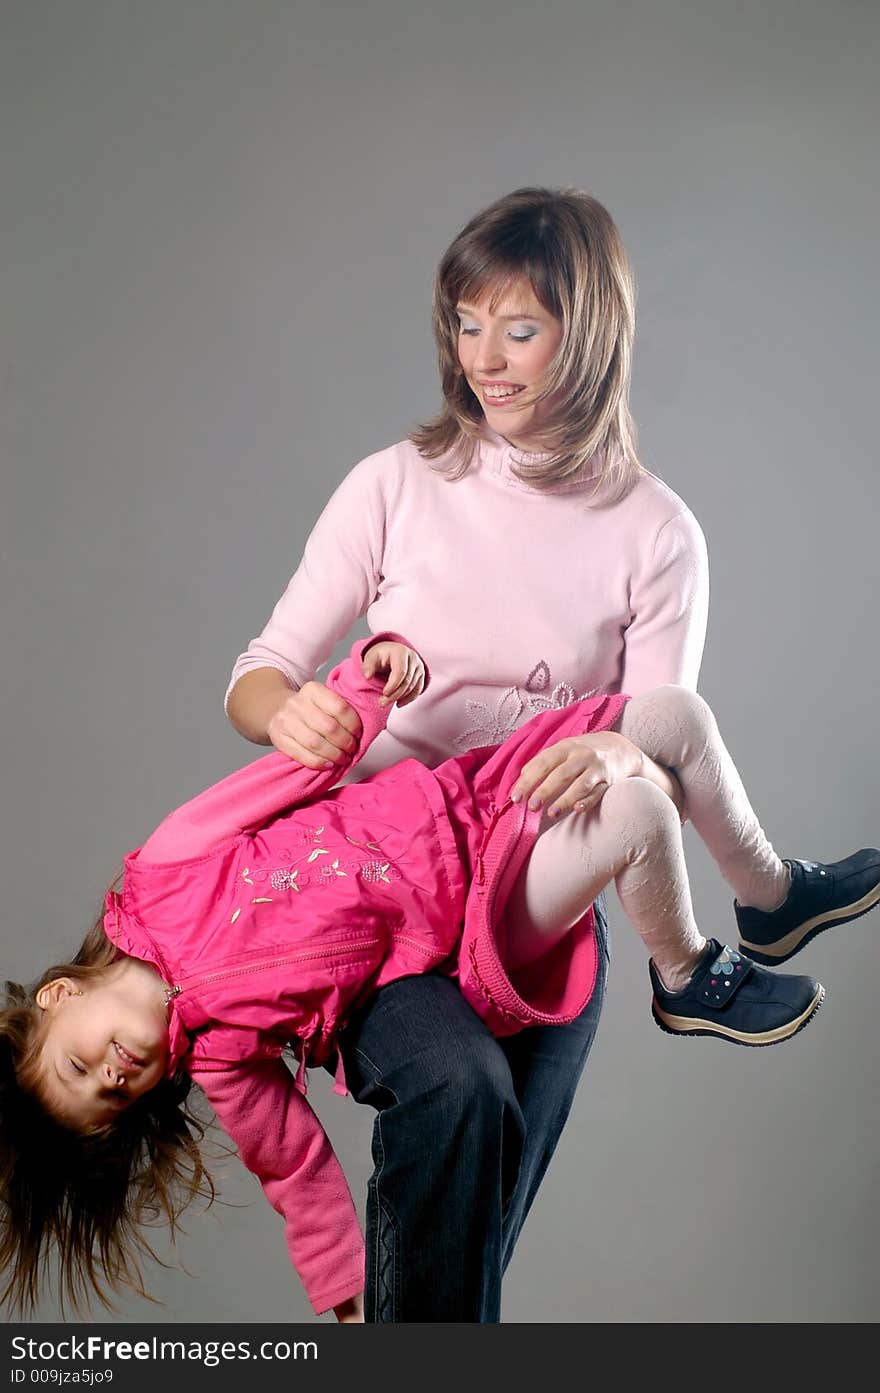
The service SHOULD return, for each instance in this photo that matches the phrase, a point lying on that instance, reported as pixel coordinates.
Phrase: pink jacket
(273, 922)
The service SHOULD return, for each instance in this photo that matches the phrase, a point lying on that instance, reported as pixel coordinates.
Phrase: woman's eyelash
(76, 1067)
(520, 338)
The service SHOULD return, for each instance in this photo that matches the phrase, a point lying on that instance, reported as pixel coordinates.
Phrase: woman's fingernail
(516, 796)
(535, 803)
(328, 764)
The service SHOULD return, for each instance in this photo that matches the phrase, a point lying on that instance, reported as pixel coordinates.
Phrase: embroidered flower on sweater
(515, 705)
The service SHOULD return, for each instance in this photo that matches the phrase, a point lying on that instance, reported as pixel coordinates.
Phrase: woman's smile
(516, 336)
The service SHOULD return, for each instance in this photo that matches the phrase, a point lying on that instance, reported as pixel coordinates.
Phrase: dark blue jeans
(466, 1126)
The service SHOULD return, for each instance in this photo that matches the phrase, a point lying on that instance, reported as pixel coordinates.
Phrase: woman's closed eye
(517, 338)
(77, 1068)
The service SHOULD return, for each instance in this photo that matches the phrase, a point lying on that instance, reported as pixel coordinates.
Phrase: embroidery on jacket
(293, 876)
(515, 705)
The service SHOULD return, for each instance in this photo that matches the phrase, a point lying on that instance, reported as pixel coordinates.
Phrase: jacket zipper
(329, 950)
(493, 821)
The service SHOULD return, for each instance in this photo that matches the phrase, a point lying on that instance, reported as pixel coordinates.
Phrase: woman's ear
(52, 994)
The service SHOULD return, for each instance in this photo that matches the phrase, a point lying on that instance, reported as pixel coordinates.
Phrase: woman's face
(504, 352)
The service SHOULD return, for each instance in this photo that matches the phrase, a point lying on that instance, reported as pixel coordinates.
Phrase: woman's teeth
(499, 393)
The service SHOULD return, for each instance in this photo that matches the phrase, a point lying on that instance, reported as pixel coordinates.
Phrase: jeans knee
(479, 1087)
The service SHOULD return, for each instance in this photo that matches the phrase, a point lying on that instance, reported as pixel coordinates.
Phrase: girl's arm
(252, 796)
(282, 1142)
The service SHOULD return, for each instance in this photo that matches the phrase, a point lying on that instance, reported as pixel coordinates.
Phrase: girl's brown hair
(86, 1198)
(565, 244)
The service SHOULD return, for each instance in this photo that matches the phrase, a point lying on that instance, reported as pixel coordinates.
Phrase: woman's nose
(490, 355)
(113, 1076)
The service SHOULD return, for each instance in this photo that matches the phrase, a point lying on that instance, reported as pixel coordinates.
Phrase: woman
(531, 560)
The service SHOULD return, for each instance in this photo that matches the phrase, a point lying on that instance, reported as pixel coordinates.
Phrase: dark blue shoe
(820, 897)
(731, 997)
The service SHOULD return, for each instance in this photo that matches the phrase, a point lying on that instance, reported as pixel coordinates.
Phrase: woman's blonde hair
(565, 244)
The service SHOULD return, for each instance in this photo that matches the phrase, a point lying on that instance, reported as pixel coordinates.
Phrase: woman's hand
(315, 726)
(573, 774)
(406, 671)
(350, 1312)
(319, 728)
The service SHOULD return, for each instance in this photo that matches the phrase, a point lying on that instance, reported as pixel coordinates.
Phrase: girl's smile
(105, 1042)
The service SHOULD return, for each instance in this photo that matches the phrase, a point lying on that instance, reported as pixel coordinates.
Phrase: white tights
(634, 837)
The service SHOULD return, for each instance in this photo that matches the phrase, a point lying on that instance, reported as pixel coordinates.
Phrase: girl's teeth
(496, 393)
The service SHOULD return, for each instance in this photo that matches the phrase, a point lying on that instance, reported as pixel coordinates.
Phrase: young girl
(247, 927)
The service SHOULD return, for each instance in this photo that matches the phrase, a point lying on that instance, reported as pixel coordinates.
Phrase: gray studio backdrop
(220, 225)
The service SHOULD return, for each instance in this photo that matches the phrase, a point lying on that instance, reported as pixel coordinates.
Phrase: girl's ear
(53, 993)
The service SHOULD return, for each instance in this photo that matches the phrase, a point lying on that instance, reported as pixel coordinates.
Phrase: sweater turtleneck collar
(501, 458)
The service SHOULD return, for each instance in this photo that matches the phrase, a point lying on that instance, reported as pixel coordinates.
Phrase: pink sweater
(519, 600)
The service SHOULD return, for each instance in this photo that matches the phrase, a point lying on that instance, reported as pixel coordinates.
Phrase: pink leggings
(634, 837)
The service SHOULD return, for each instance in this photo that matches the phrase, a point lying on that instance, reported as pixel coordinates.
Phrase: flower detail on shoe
(726, 962)
(733, 998)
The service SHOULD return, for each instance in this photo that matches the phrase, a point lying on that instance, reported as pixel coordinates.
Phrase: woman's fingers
(333, 708)
(543, 775)
(316, 727)
(294, 750)
(585, 804)
(561, 778)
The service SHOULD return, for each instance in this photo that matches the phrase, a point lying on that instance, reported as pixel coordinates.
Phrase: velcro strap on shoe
(723, 978)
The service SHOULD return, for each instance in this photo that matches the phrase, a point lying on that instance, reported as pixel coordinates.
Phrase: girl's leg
(677, 729)
(632, 837)
(780, 906)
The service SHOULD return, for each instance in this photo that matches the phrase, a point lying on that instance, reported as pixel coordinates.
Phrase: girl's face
(504, 352)
(105, 1042)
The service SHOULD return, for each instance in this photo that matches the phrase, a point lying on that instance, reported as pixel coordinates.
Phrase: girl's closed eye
(76, 1067)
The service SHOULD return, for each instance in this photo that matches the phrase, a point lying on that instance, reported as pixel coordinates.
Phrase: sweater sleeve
(282, 1142)
(669, 600)
(251, 796)
(335, 583)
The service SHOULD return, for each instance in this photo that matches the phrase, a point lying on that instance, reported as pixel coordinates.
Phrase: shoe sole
(771, 954)
(688, 1025)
